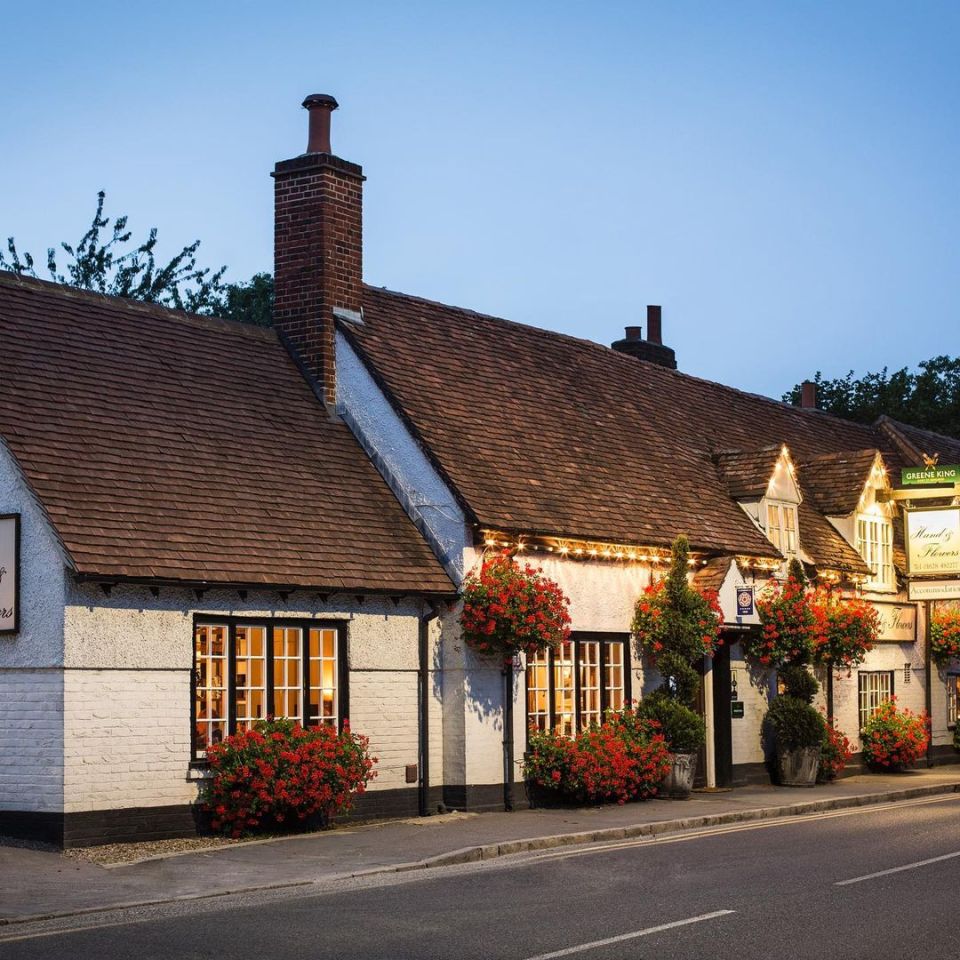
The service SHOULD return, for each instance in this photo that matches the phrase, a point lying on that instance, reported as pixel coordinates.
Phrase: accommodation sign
(917, 476)
(934, 589)
(933, 542)
(898, 622)
(9, 573)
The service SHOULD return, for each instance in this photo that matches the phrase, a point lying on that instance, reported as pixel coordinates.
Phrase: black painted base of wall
(133, 824)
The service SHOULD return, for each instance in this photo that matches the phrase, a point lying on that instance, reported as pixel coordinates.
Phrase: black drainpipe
(508, 736)
(423, 705)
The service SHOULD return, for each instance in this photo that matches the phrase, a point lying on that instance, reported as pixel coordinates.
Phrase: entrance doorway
(722, 727)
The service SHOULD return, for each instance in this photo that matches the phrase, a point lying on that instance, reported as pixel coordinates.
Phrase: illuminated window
(875, 688)
(246, 671)
(570, 688)
(875, 545)
(782, 527)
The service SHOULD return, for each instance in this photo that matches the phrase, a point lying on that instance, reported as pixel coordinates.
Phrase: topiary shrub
(795, 723)
(682, 728)
(798, 682)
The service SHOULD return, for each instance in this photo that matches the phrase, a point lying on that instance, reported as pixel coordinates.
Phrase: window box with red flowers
(945, 636)
(509, 609)
(846, 629)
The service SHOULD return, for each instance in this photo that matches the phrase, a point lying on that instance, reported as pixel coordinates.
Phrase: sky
(780, 177)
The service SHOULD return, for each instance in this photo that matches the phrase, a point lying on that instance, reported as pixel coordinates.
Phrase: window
(782, 527)
(245, 671)
(875, 545)
(569, 689)
(953, 695)
(875, 688)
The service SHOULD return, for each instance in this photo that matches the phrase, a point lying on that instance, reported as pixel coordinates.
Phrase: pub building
(204, 523)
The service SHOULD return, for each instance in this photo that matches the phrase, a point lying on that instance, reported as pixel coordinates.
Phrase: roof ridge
(65, 291)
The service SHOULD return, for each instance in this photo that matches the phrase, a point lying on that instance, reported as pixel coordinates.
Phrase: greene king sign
(933, 542)
(9, 573)
(917, 476)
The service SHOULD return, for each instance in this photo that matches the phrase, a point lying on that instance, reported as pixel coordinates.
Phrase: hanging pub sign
(9, 573)
(744, 601)
(934, 589)
(918, 476)
(933, 541)
(898, 622)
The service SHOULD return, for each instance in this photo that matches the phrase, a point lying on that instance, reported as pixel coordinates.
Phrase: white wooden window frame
(875, 545)
(781, 524)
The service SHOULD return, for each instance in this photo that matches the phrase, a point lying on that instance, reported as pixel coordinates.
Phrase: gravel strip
(127, 852)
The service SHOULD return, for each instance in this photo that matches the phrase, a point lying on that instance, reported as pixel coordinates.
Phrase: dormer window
(875, 545)
(782, 526)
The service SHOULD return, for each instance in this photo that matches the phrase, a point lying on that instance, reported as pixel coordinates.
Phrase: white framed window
(781, 526)
(569, 689)
(875, 545)
(953, 696)
(245, 671)
(875, 687)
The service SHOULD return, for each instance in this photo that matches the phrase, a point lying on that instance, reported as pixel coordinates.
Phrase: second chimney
(651, 349)
(318, 250)
(808, 395)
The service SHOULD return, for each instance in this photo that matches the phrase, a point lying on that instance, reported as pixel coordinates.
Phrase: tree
(928, 397)
(102, 260)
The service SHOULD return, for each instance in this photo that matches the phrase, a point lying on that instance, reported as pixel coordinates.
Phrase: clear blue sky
(782, 178)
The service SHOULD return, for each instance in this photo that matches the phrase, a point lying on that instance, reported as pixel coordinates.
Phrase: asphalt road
(793, 889)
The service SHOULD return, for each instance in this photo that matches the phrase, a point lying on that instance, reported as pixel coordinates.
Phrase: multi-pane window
(246, 671)
(953, 696)
(875, 545)
(570, 688)
(782, 527)
(875, 687)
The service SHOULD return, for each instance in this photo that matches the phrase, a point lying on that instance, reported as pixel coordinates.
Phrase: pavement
(42, 884)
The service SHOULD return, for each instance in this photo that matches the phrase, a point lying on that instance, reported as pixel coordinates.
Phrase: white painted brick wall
(31, 740)
(126, 739)
(383, 707)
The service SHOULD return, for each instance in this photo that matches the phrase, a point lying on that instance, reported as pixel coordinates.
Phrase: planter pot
(798, 768)
(678, 783)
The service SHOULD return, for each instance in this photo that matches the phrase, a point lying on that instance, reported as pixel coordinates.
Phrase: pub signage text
(898, 622)
(933, 542)
(917, 476)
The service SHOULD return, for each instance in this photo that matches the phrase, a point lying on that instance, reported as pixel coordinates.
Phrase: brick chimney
(808, 395)
(318, 252)
(652, 348)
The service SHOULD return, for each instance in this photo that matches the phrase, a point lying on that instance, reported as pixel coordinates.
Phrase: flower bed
(945, 636)
(846, 628)
(894, 739)
(510, 609)
(280, 775)
(622, 759)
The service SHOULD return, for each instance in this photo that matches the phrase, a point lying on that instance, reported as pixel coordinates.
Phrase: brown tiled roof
(178, 448)
(836, 480)
(545, 433)
(747, 473)
(820, 540)
(712, 574)
(910, 443)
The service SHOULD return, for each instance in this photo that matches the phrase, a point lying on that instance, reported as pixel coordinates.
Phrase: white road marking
(569, 951)
(908, 866)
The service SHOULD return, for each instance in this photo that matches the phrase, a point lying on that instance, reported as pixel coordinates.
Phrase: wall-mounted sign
(934, 589)
(933, 541)
(744, 601)
(918, 476)
(736, 709)
(898, 622)
(9, 573)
